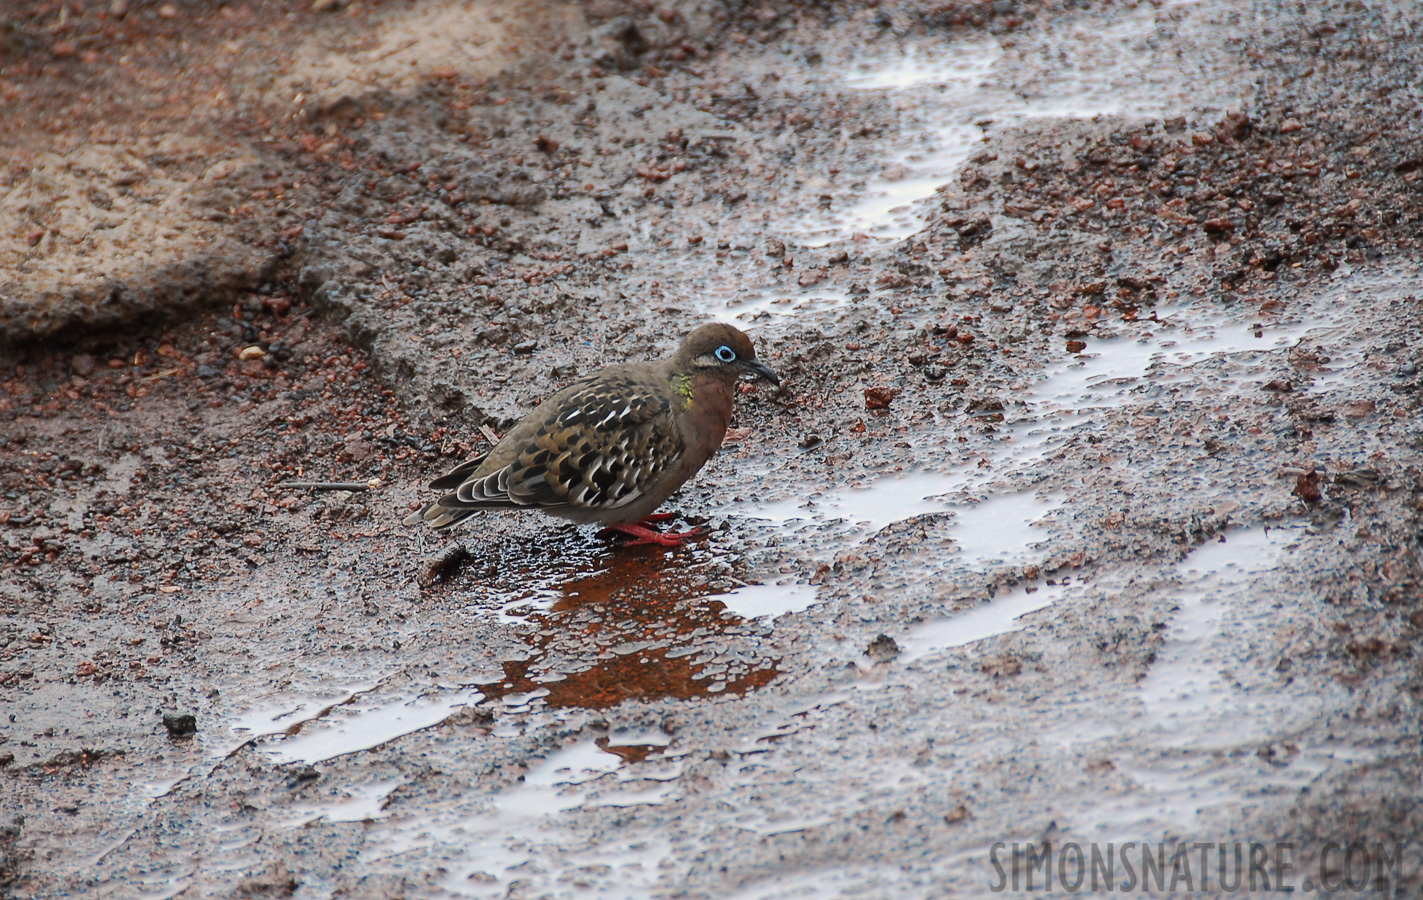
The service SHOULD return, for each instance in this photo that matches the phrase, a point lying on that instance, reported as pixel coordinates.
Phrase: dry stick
(489, 433)
(325, 486)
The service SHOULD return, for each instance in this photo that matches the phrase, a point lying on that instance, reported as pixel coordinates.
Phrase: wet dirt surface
(1088, 511)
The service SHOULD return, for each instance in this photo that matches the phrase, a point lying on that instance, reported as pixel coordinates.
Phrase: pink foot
(659, 517)
(641, 534)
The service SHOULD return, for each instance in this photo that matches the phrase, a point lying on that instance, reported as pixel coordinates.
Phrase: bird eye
(725, 354)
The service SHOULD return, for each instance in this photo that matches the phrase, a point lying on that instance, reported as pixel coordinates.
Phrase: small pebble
(882, 649)
(879, 397)
(180, 725)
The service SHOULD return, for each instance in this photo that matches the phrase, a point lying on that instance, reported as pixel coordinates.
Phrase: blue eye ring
(725, 354)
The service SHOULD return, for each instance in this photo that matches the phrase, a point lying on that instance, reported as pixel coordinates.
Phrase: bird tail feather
(438, 517)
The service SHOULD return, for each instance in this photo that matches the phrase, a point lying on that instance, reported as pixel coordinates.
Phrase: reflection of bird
(612, 446)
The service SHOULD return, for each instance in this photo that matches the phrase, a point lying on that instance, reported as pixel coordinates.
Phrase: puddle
(746, 308)
(936, 91)
(641, 626)
(1209, 693)
(594, 573)
(600, 627)
(1190, 791)
(361, 725)
(165, 883)
(361, 804)
(759, 822)
(767, 601)
(524, 833)
(948, 93)
(1001, 615)
(289, 716)
(1176, 793)
(927, 66)
(1183, 336)
(1002, 528)
(321, 726)
(1198, 689)
(867, 880)
(578, 664)
(1147, 357)
(864, 508)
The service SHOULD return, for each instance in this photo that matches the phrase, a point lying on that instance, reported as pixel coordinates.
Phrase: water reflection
(637, 626)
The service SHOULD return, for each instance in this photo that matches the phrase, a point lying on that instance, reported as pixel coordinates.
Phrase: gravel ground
(1088, 511)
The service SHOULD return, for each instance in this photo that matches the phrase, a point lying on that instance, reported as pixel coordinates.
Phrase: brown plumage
(612, 446)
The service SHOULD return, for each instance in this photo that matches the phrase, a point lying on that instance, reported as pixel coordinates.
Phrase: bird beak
(756, 367)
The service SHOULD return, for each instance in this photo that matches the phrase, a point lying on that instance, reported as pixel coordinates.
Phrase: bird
(611, 446)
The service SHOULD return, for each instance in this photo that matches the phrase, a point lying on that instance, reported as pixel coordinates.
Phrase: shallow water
(1003, 614)
(951, 93)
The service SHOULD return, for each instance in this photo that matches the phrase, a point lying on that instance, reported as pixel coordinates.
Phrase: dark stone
(180, 724)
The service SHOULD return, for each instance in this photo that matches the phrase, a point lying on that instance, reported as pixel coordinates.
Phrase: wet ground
(1088, 510)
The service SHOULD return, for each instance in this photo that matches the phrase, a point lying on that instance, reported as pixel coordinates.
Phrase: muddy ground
(1088, 511)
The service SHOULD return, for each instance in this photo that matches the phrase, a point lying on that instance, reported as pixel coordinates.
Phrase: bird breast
(705, 418)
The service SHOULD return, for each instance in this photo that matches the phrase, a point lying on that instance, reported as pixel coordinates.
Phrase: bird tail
(438, 517)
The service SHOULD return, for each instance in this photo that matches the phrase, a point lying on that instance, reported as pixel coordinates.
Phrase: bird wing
(600, 446)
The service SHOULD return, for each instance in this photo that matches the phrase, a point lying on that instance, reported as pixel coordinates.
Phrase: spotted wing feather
(456, 476)
(600, 446)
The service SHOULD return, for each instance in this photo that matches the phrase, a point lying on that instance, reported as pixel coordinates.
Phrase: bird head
(722, 351)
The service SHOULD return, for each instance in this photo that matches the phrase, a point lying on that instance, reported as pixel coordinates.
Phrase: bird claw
(641, 534)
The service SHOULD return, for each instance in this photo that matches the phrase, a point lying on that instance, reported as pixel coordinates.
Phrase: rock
(441, 565)
(1307, 487)
(879, 397)
(812, 276)
(882, 649)
(180, 724)
(83, 364)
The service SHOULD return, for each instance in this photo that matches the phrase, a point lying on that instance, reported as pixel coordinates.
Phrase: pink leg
(659, 517)
(641, 534)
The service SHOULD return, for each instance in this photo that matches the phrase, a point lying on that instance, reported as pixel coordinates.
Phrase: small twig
(329, 485)
(489, 433)
(166, 373)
